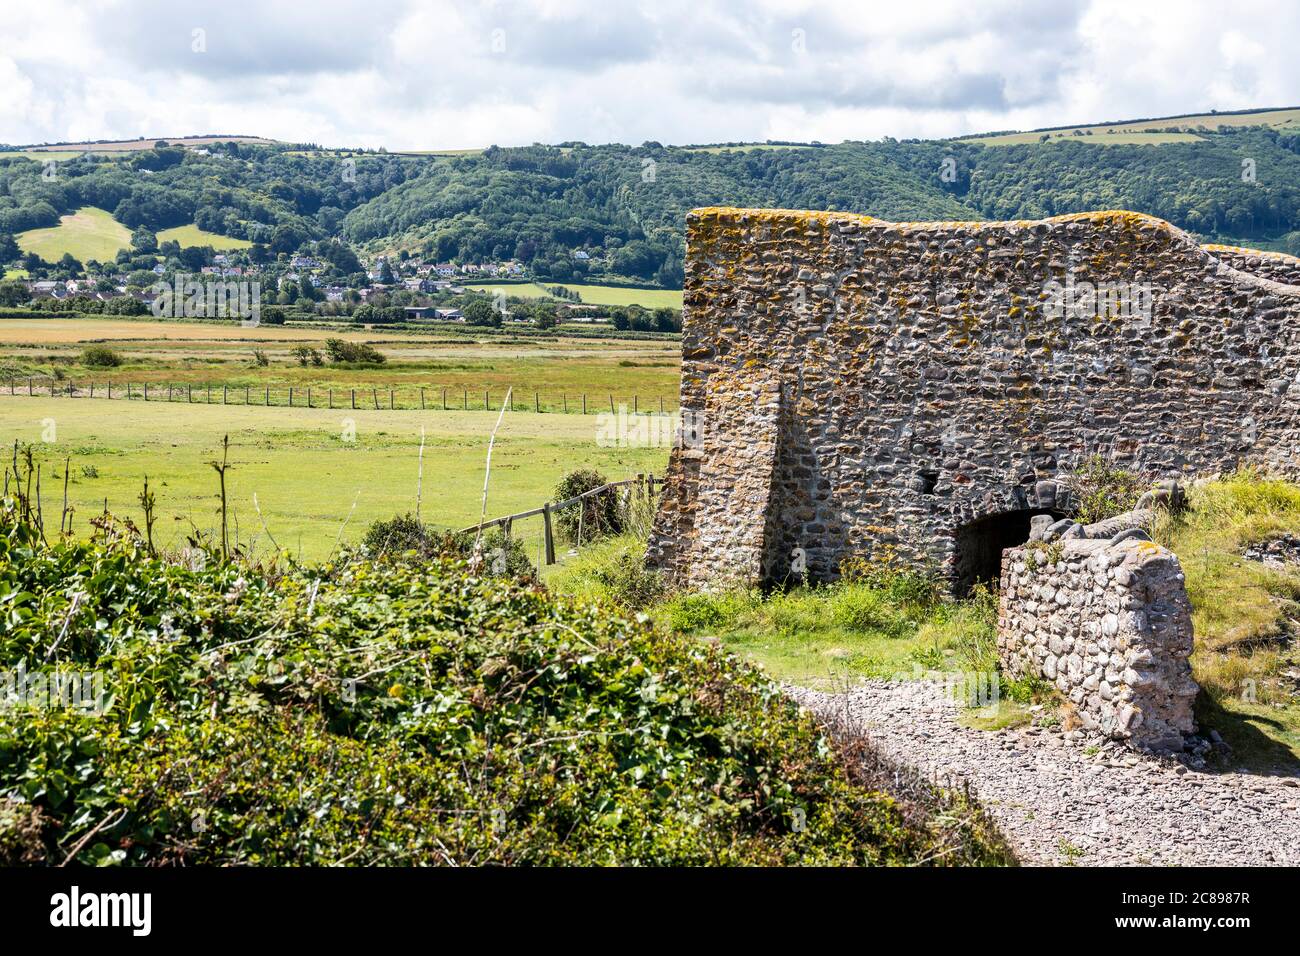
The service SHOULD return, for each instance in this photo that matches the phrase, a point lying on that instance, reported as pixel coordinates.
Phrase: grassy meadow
(304, 468)
(192, 235)
(89, 233)
(591, 294)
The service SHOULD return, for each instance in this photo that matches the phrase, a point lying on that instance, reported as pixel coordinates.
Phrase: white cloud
(410, 74)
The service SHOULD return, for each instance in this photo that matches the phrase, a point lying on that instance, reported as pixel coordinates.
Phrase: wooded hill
(625, 205)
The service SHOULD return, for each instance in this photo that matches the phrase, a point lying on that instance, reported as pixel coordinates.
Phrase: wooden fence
(379, 399)
(645, 485)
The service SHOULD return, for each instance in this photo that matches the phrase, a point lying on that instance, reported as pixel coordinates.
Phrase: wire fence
(557, 529)
(376, 398)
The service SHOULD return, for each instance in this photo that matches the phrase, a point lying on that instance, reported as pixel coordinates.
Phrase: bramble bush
(409, 712)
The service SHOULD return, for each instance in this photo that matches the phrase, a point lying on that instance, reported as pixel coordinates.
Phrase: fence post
(390, 400)
(422, 398)
(584, 403)
(444, 399)
(550, 538)
(291, 396)
(92, 389)
(354, 399)
(110, 389)
(331, 398)
(651, 480)
(374, 397)
(464, 398)
(207, 393)
(537, 402)
(246, 395)
(565, 398)
(636, 407)
(661, 404)
(29, 387)
(485, 398)
(225, 394)
(611, 403)
(146, 391)
(309, 396)
(268, 396)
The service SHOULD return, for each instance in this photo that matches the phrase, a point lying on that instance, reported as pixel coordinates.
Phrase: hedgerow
(393, 712)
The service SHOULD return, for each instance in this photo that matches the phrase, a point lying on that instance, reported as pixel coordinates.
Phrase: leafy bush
(412, 713)
(100, 356)
(405, 536)
(857, 607)
(356, 353)
(596, 516)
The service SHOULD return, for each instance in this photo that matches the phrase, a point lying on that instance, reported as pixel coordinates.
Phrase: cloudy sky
(418, 74)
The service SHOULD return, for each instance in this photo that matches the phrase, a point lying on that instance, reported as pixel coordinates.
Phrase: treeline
(611, 213)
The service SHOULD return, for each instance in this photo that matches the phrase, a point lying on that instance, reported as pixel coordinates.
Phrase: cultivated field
(89, 233)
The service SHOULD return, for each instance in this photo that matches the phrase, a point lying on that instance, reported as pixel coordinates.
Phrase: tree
(479, 311)
(144, 240)
(9, 250)
(386, 276)
(544, 315)
(13, 294)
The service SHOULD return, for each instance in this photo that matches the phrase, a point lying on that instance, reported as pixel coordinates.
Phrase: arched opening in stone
(977, 557)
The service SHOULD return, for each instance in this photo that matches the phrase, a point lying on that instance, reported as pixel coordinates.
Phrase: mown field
(89, 233)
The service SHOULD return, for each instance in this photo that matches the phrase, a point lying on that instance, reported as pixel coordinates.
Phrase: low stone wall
(1109, 623)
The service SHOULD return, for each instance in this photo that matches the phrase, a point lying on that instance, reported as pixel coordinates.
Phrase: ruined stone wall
(1110, 626)
(906, 380)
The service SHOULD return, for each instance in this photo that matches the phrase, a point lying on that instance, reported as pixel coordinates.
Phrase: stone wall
(1110, 625)
(917, 390)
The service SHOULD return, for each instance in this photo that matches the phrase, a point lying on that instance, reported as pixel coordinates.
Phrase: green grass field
(89, 233)
(305, 467)
(192, 235)
(591, 294)
(1098, 138)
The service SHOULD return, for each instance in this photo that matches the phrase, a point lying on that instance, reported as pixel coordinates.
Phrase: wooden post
(464, 398)
(331, 398)
(128, 391)
(651, 485)
(110, 389)
(268, 396)
(225, 394)
(421, 398)
(546, 527)
(246, 402)
(390, 399)
(584, 403)
(635, 405)
(189, 393)
(485, 398)
(309, 396)
(611, 403)
(29, 387)
(444, 399)
(374, 396)
(169, 391)
(537, 402)
(207, 393)
(661, 404)
(92, 389)
(146, 391)
(354, 399)
(291, 396)
(565, 398)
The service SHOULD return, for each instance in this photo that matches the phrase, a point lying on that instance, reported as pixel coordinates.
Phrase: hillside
(624, 205)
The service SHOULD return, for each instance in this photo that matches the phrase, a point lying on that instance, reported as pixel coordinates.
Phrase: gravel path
(1069, 798)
